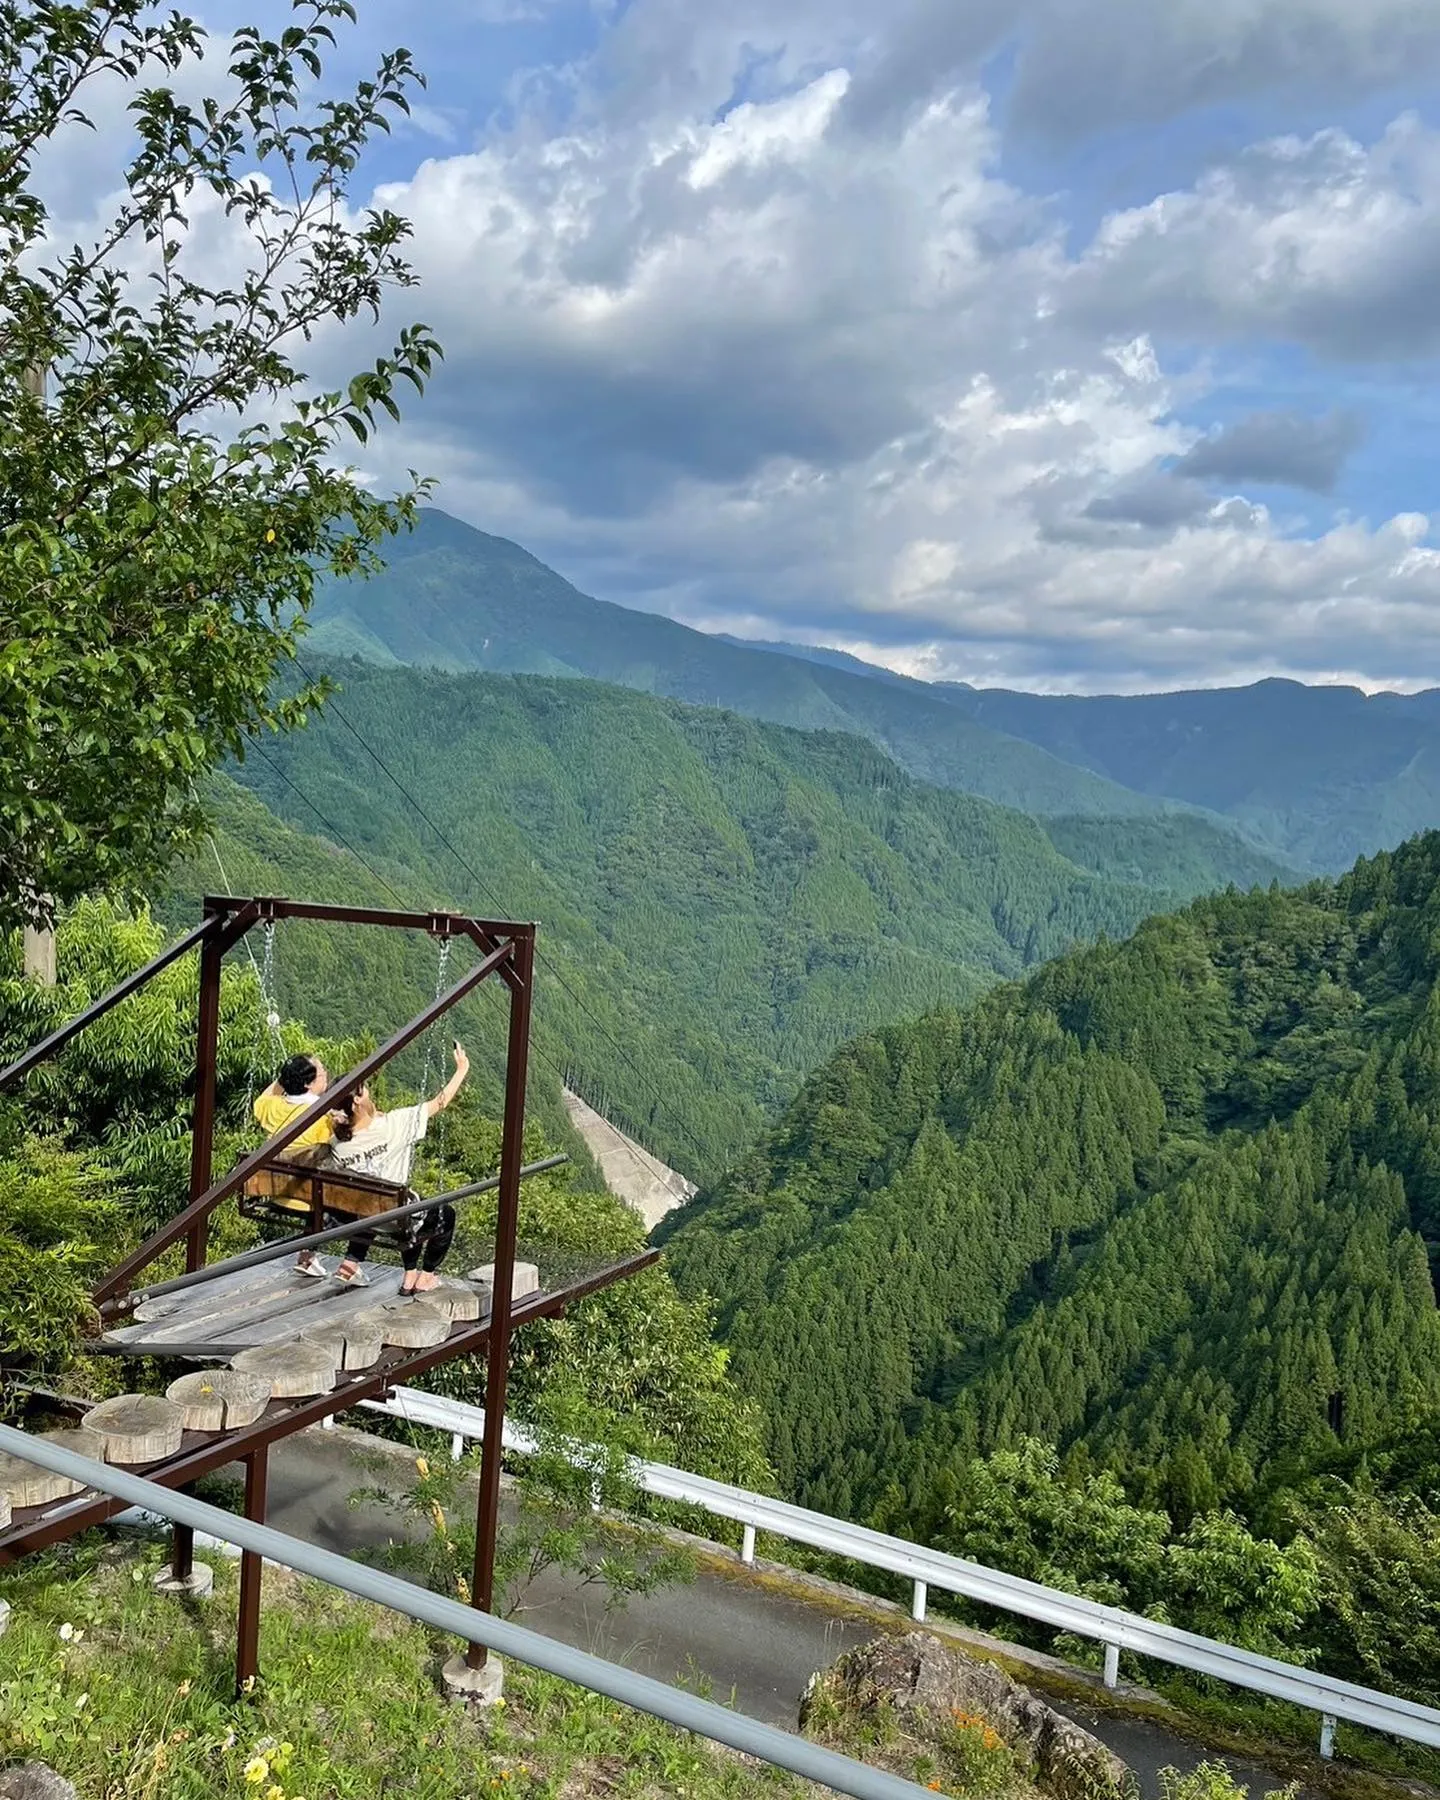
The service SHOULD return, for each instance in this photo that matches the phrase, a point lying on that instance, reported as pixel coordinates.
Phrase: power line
(333, 706)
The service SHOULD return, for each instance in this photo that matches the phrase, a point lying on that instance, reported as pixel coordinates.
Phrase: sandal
(307, 1263)
(358, 1278)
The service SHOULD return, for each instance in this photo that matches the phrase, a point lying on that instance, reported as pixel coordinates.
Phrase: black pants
(424, 1245)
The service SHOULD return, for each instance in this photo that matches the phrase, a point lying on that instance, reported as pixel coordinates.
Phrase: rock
(34, 1781)
(926, 1683)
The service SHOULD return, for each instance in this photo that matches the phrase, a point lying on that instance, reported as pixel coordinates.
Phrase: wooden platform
(267, 1305)
(209, 1324)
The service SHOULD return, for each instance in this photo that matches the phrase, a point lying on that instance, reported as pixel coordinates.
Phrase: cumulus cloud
(1320, 241)
(767, 336)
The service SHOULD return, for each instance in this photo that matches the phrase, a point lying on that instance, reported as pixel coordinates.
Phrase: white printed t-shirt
(386, 1147)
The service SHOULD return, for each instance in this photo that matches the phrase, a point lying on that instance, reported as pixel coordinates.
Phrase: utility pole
(38, 950)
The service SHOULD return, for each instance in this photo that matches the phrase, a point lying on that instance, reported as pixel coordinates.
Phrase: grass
(130, 1696)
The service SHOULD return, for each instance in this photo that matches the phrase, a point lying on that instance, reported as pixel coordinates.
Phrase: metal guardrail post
(1334, 1699)
(747, 1544)
(1112, 1665)
(1327, 1735)
(919, 1595)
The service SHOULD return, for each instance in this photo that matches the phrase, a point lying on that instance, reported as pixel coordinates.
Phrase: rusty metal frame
(205, 1452)
(507, 949)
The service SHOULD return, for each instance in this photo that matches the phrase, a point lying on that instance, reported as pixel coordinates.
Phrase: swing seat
(286, 1192)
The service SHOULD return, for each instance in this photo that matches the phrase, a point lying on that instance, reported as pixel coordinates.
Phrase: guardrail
(783, 1749)
(924, 1568)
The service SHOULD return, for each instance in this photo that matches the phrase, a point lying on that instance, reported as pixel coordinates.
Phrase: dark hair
(297, 1072)
(342, 1118)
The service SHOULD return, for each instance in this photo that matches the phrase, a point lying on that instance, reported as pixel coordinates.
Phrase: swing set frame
(507, 950)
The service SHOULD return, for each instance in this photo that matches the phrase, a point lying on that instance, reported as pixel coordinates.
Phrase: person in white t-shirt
(365, 1141)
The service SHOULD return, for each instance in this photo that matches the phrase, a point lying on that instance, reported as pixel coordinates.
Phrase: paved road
(725, 1636)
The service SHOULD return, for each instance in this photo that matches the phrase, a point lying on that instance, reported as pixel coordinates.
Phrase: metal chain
(445, 943)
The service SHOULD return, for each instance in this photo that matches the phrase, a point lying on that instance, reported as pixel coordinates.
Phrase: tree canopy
(170, 484)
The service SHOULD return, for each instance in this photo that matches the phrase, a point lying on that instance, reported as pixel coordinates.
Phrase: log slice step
(24, 1484)
(457, 1300)
(409, 1324)
(220, 1399)
(294, 1368)
(355, 1343)
(137, 1428)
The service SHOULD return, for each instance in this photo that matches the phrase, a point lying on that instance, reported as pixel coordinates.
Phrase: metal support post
(747, 1544)
(1112, 1665)
(247, 1634)
(1327, 1735)
(182, 1552)
(917, 1600)
(497, 1369)
(202, 1134)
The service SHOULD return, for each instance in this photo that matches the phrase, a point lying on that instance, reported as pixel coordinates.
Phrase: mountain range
(723, 902)
(1312, 775)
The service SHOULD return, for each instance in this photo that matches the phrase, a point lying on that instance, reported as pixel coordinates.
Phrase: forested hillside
(723, 902)
(1326, 774)
(455, 598)
(1165, 1204)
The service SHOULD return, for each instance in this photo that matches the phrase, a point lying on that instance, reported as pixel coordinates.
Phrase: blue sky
(1067, 344)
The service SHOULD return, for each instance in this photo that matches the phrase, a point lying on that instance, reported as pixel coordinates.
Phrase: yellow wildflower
(256, 1770)
(275, 1792)
(270, 536)
(423, 1467)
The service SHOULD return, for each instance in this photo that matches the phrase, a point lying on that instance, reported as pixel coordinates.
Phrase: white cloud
(764, 334)
(765, 364)
(1321, 241)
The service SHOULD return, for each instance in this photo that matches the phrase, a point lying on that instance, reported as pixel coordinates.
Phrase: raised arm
(452, 1086)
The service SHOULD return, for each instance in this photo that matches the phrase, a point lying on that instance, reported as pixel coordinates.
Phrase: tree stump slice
(295, 1369)
(354, 1343)
(23, 1484)
(410, 1324)
(219, 1399)
(526, 1279)
(456, 1300)
(137, 1428)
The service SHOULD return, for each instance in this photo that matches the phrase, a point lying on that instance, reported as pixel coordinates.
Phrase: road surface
(724, 1635)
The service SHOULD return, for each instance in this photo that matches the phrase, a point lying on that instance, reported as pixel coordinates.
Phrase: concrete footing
(194, 1586)
(475, 1687)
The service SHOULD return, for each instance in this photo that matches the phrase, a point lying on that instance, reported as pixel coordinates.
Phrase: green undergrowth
(130, 1695)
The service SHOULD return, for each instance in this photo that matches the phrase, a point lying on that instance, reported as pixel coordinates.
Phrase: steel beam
(497, 1367)
(69, 1517)
(441, 1613)
(57, 1040)
(247, 1626)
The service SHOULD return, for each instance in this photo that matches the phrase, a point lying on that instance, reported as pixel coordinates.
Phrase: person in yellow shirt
(300, 1080)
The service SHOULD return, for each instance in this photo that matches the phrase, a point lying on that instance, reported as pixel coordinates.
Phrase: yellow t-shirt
(274, 1110)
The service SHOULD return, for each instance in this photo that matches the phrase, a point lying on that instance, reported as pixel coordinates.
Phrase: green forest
(722, 902)
(1168, 1206)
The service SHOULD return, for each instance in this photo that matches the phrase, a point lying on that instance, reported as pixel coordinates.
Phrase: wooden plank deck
(251, 1306)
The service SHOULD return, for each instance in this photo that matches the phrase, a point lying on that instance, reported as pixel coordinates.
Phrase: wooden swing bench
(287, 1191)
